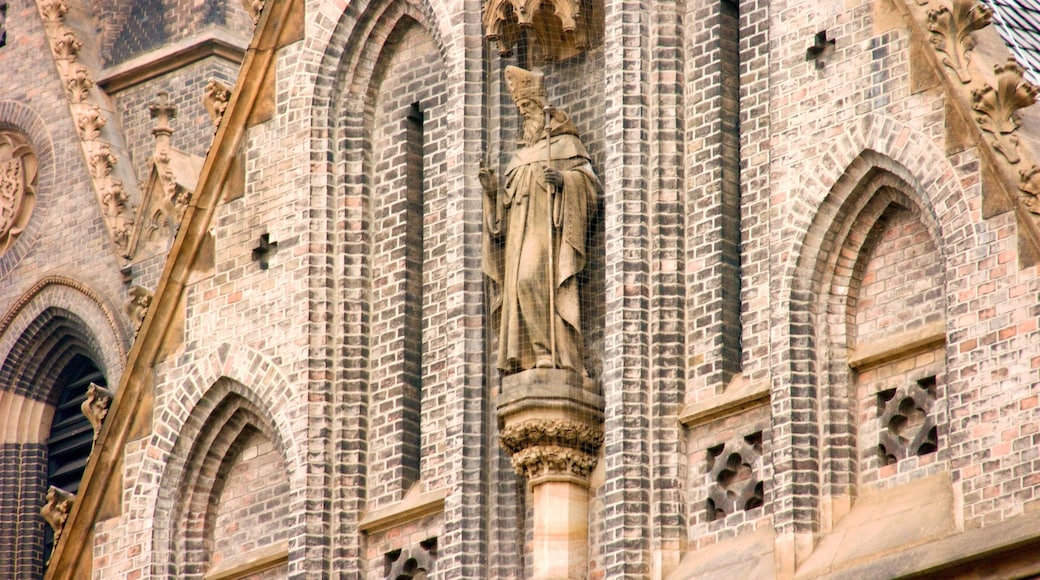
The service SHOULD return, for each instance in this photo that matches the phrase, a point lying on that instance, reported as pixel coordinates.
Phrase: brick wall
(151, 24)
(192, 128)
(408, 277)
(251, 509)
(23, 476)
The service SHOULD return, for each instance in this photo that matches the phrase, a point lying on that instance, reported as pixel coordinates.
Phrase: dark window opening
(71, 437)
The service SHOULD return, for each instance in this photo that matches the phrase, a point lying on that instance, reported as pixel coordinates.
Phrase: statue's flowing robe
(516, 254)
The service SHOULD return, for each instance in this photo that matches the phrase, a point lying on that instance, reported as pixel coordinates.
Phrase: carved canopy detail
(559, 29)
(17, 186)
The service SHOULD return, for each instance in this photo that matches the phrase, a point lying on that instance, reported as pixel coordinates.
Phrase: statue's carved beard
(533, 126)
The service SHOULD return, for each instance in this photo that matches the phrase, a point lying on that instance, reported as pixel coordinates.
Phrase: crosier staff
(551, 189)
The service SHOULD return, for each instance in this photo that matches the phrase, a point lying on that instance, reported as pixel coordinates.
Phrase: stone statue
(535, 227)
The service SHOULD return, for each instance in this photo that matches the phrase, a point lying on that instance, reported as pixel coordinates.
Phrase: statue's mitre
(524, 84)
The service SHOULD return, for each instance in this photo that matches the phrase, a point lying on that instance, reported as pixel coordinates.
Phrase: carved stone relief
(18, 177)
(95, 406)
(172, 176)
(65, 45)
(90, 123)
(736, 479)
(951, 33)
(556, 29)
(137, 305)
(996, 107)
(555, 447)
(215, 100)
(56, 510)
(83, 98)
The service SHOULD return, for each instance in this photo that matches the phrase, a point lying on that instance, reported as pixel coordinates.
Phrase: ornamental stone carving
(551, 432)
(78, 83)
(215, 100)
(552, 461)
(996, 107)
(556, 29)
(137, 305)
(65, 45)
(101, 160)
(556, 447)
(56, 510)
(95, 406)
(90, 122)
(53, 10)
(1029, 183)
(18, 176)
(413, 563)
(736, 483)
(952, 33)
(907, 422)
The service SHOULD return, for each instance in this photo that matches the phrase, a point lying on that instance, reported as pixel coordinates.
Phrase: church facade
(502, 289)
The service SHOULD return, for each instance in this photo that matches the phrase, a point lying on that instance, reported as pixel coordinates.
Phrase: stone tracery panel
(18, 181)
(736, 479)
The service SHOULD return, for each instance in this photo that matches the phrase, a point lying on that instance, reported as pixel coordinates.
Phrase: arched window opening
(71, 437)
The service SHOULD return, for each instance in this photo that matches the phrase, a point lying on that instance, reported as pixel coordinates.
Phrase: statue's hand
(553, 178)
(488, 180)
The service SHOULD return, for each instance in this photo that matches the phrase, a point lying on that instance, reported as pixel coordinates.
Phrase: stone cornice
(279, 25)
(211, 42)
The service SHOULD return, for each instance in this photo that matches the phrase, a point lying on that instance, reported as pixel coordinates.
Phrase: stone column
(551, 423)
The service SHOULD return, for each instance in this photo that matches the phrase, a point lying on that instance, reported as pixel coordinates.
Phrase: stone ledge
(739, 396)
(251, 562)
(1017, 538)
(898, 346)
(549, 390)
(210, 42)
(413, 507)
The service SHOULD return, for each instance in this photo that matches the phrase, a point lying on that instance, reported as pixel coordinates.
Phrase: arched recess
(59, 337)
(391, 183)
(233, 400)
(228, 484)
(875, 201)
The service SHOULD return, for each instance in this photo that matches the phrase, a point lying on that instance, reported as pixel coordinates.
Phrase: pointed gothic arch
(58, 337)
(827, 344)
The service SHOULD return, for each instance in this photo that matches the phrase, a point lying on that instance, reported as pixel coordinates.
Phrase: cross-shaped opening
(264, 249)
(821, 47)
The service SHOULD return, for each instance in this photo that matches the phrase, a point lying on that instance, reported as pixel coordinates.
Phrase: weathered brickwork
(252, 507)
(408, 384)
(23, 472)
(152, 23)
(795, 298)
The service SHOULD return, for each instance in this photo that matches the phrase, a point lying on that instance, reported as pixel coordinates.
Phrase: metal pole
(551, 189)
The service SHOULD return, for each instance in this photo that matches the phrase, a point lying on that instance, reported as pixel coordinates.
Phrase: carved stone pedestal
(551, 423)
